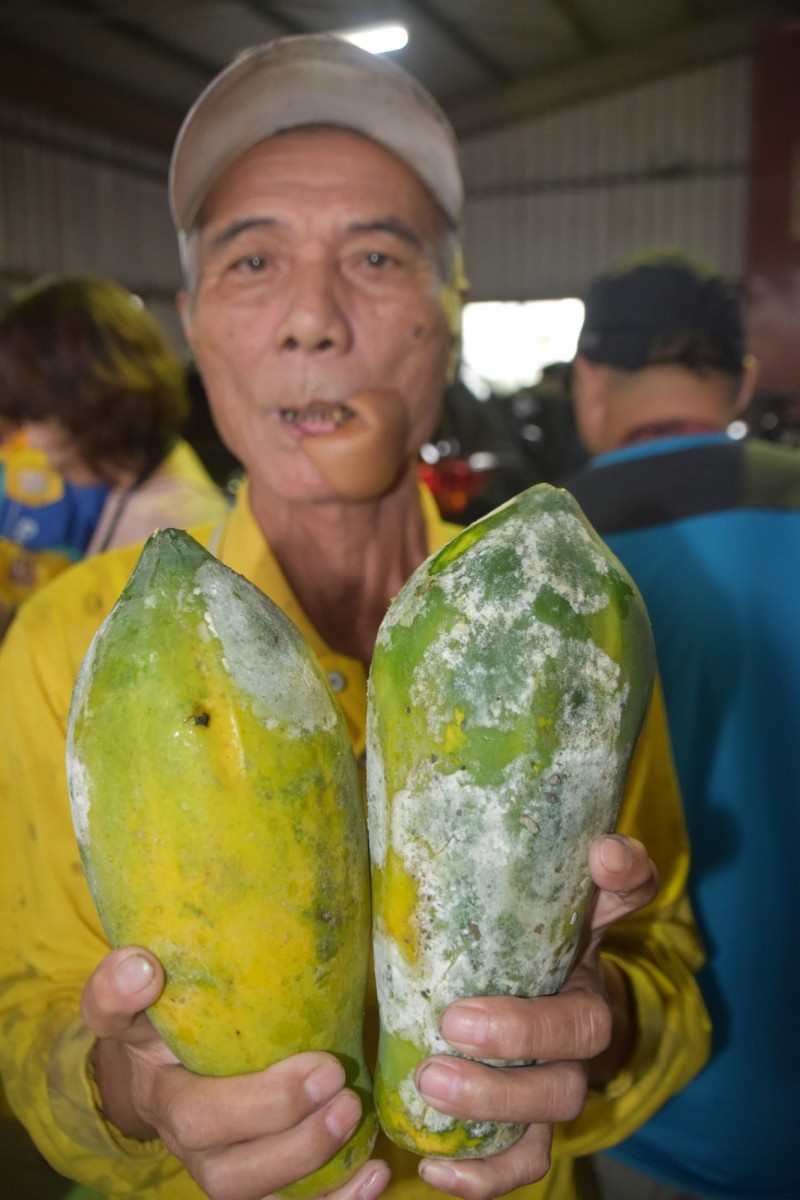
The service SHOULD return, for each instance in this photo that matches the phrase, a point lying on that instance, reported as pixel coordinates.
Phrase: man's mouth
(363, 450)
(318, 418)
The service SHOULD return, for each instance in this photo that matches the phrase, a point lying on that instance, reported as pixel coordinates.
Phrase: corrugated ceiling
(132, 67)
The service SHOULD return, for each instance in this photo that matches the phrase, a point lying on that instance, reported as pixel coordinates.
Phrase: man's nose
(313, 319)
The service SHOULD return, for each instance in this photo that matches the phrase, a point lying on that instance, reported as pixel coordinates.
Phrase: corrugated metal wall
(74, 202)
(555, 199)
(551, 200)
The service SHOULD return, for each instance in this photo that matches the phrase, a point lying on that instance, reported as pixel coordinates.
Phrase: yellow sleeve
(50, 936)
(659, 951)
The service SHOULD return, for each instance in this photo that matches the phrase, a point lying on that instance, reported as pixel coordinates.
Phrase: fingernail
(439, 1081)
(133, 975)
(343, 1115)
(439, 1175)
(615, 854)
(464, 1025)
(324, 1082)
(377, 1181)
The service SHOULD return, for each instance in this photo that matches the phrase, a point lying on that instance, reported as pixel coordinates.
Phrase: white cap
(307, 80)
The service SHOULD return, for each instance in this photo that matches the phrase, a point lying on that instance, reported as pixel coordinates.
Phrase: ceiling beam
(698, 10)
(141, 36)
(286, 24)
(583, 29)
(602, 74)
(41, 82)
(45, 85)
(69, 141)
(454, 32)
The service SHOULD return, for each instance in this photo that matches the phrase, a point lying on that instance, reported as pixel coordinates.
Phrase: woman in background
(89, 376)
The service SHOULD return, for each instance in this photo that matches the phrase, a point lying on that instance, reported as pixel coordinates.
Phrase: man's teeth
(336, 415)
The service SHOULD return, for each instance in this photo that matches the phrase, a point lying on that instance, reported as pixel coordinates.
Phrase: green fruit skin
(510, 680)
(218, 810)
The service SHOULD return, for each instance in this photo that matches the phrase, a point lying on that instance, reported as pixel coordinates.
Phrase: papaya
(219, 815)
(510, 679)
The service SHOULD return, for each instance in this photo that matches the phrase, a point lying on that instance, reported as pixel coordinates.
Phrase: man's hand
(563, 1033)
(241, 1138)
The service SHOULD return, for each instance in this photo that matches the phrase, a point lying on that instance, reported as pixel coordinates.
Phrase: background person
(87, 372)
(321, 306)
(710, 530)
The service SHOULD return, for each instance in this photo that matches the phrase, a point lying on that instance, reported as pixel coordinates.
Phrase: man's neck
(667, 402)
(360, 556)
(674, 427)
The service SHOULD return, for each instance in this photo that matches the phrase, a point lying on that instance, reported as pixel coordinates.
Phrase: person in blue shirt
(709, 528)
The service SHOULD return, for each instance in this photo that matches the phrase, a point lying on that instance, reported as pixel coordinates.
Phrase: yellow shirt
(85, 520)
(51, 938)
(178, 493)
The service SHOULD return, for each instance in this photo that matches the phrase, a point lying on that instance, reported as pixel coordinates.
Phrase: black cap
(633, 310)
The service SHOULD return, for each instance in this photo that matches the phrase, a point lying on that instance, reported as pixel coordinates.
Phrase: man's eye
(376, 259)
(252, 262)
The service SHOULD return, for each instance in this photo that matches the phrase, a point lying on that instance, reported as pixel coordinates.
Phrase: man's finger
(252, 1169)
(198, 1113)
(480, 1179)
(367, 1183)
(571, 1025)
(544, 1093)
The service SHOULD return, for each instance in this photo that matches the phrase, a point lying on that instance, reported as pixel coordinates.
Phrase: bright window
(508, 343)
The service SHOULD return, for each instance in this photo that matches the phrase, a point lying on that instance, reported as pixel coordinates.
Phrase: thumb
(122, 986)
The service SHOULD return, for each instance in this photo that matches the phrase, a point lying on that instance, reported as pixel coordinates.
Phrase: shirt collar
(658, 446)
(243, 547)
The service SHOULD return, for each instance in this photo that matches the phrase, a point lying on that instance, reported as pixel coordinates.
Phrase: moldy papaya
(220, 820)
(510, 679)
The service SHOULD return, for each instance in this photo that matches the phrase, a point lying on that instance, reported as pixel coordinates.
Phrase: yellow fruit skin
(509, 682)
(219, 815)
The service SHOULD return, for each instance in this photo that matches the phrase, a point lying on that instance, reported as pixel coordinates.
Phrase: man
(317, 197)
(709, 528)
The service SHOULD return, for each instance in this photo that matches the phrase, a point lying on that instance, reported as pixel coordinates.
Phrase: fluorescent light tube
(378, 39)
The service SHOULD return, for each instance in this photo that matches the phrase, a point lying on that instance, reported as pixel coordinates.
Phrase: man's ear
(747, 385)
(581, 375)
(589, 395)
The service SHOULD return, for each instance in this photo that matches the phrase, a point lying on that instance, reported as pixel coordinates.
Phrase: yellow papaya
(219, 815)
(509, 682)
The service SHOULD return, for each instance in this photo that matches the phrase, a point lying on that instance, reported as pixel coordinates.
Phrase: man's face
(318, 280)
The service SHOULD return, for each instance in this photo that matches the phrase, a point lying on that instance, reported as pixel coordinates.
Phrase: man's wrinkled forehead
(351, 167)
